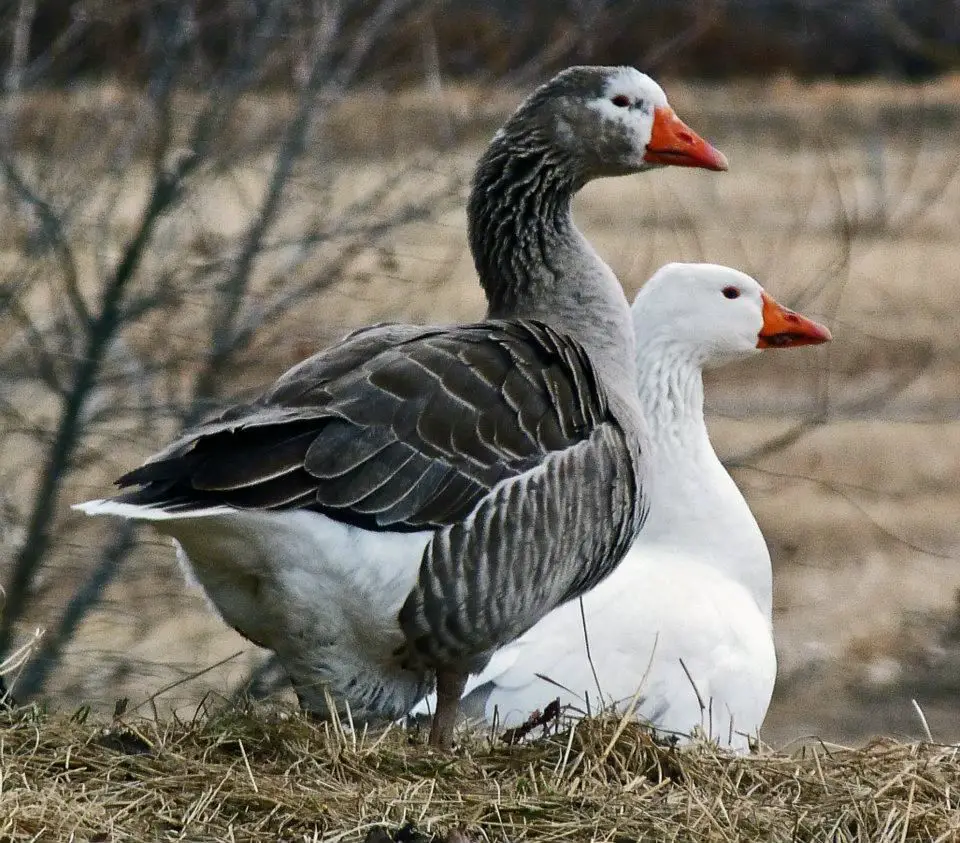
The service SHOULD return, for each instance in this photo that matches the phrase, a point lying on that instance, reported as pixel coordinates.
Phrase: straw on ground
(272, 775)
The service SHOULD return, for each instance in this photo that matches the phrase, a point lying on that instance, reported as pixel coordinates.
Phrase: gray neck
(533, 263)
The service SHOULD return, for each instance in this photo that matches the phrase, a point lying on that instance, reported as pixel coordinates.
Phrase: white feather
(136, 512)
(322, 594)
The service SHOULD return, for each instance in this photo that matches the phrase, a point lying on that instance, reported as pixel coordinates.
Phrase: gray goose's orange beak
(674, 143)
(782, 328)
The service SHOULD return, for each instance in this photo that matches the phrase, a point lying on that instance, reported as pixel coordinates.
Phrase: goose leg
(450, 685)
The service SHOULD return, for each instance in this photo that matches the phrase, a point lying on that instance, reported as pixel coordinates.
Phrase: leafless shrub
(147, 249)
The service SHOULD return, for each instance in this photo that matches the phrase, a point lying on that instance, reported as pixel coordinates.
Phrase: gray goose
(396, 507)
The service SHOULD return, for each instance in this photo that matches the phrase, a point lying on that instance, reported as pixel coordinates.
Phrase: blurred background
(195, 195)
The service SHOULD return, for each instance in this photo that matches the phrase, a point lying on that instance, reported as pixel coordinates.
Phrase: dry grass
(375, 123)
(274, 776)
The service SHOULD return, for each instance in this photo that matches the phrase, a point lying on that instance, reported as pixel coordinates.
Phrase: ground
(264, 777)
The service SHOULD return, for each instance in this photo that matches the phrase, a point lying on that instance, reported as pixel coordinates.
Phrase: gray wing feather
(531, 545)
(397, 427)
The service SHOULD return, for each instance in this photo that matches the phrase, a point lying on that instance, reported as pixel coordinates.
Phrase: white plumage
(317, 591)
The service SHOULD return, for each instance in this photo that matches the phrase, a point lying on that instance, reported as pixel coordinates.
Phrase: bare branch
(57, 238)
(234, 288)
(48, 654)
(26, 10)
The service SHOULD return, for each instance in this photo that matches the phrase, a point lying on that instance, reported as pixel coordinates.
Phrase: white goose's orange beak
(674, 143)
(783, 328)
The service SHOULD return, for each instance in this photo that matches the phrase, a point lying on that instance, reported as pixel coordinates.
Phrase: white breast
(662, 624)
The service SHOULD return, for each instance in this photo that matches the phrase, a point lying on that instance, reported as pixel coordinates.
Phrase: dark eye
(731, 293)
(621, 101)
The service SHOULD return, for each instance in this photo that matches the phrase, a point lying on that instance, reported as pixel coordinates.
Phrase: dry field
(266, 778)
(843, 201)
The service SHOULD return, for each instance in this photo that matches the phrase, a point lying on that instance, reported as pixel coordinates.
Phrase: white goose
(686, 617)
(397, 507)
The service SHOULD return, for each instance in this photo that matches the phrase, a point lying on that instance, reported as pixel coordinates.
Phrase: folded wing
(395, 428)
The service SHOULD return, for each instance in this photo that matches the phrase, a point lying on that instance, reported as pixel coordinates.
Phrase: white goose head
(714, 315)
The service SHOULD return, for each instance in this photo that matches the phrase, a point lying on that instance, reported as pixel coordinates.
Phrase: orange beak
(674, 143)
(783, 328)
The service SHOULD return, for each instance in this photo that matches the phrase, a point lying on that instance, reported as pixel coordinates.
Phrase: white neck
(696, 507)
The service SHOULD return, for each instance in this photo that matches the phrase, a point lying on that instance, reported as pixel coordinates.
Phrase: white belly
(323, 595)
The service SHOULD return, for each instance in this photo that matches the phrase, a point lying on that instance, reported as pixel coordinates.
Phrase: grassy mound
(268, 775)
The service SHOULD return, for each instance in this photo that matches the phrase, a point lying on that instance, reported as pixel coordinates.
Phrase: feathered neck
(696, 508)
(534, 263)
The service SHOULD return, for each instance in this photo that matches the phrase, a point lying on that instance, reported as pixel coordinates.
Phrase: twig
(53, 230)
(538, 718)
(923, 720)
(188, 678)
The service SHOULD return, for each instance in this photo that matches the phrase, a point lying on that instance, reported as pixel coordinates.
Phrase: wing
(678, 631)
(534, 543)
(394, 428)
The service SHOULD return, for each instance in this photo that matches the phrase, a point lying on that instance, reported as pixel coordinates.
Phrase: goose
(398, 506)
(684, 622)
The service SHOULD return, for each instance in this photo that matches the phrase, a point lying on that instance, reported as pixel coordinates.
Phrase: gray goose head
(585, 123)
(604, 121)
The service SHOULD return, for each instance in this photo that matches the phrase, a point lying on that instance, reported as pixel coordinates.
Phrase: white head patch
(687, 302)
(638, 86)
(629, 97)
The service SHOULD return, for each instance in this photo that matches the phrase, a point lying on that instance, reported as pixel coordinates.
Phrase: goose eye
(621, 100)
(731, 293)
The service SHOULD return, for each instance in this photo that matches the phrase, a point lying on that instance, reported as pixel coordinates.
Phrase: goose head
(608, 121)
(714, 315)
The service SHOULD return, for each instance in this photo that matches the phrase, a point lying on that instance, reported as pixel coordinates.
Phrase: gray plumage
(390, 429)
(406, 429)
(511, 446)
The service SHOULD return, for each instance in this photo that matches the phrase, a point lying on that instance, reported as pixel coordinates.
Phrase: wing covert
(396, 427)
